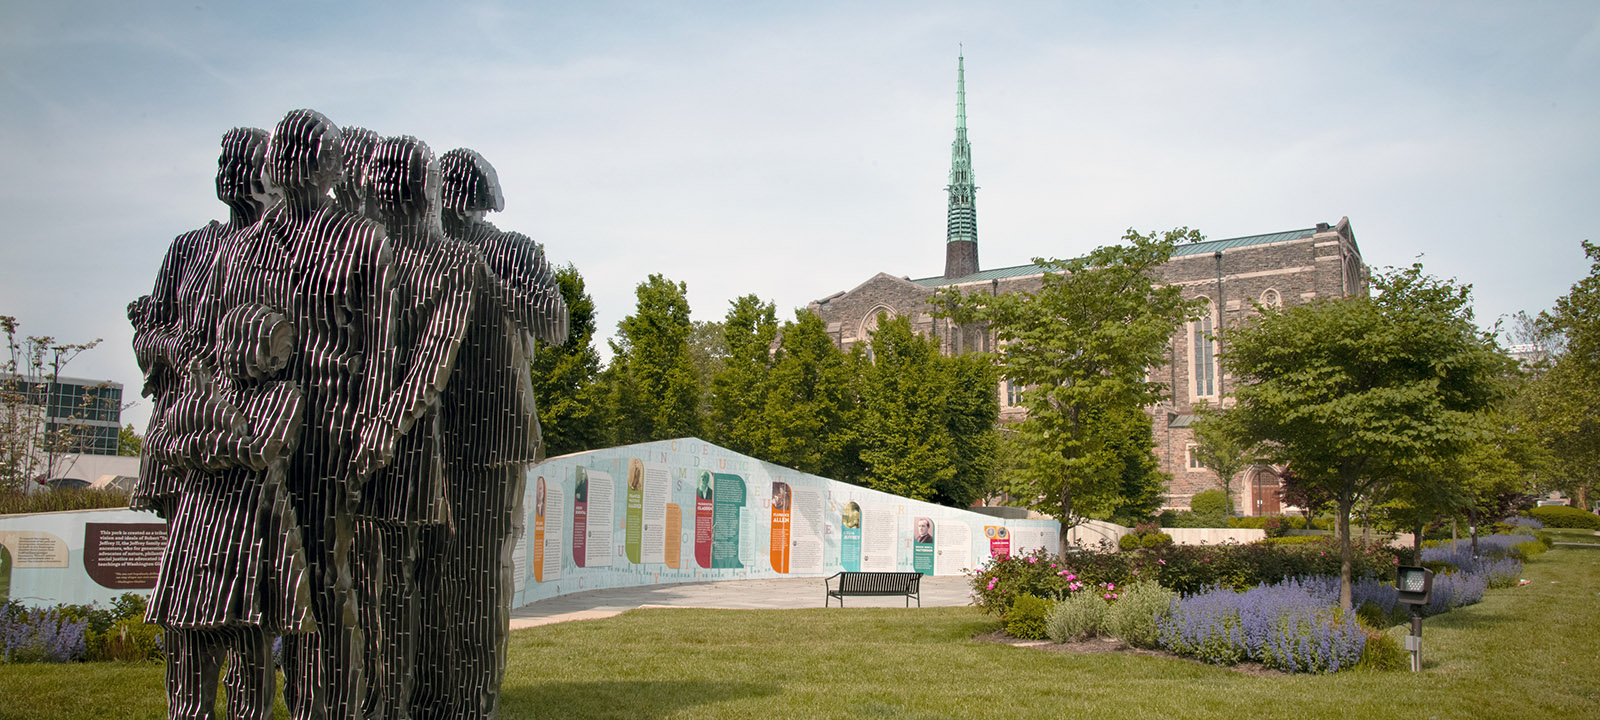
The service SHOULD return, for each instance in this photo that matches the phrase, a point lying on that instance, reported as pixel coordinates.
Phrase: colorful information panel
(689, 511)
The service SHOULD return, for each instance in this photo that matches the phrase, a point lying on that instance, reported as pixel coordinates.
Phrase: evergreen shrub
(1562, 516)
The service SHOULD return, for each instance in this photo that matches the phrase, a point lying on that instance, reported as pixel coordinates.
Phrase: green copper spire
(961, 224)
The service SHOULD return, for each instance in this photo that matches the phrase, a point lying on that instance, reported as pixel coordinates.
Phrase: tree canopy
(564, 376)
(1082, 346)
(1356, 394)
(653, 390)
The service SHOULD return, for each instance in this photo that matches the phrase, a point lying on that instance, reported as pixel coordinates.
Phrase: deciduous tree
(1082, 345)
(653, 390)
(739, 386)
(1355, 394)
(1222, 448)
(571, 413)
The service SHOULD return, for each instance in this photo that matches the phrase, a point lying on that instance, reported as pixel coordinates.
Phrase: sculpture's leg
(326, 666)
(194, 659)
(252, 677)
(476, 561)
(389, 605)
(433, 693)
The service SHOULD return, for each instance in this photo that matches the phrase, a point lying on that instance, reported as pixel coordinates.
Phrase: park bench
(874, 584)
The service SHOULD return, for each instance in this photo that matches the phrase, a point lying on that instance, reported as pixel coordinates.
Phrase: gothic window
(1271, 298)
(1194, 462)
(1203, 353)
(869, 324)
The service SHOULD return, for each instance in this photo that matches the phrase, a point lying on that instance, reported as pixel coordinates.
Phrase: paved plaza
(784, 594)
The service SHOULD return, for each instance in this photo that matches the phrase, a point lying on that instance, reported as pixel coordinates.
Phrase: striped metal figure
(232, 576)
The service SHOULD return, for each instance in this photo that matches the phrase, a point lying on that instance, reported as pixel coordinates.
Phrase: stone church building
(1232, 275)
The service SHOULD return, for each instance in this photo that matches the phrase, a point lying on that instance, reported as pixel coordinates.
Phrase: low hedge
(1183, 568)
(1562, 516)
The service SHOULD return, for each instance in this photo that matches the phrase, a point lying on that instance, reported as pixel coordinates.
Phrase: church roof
(1199, 248)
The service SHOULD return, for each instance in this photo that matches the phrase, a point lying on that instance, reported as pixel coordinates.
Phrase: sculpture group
(342, 419)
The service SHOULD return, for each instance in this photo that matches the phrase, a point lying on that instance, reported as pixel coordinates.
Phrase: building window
(1194, 462)
(1202, 354)
(1271, 298)
(1013, 393)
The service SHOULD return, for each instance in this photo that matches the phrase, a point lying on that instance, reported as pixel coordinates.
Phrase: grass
(1523, 652)
(1571, 535)
(59, 500)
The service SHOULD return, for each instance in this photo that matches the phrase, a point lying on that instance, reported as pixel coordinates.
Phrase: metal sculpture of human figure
(327, 271)
(491, 433)
(232, 576)
(435, 287)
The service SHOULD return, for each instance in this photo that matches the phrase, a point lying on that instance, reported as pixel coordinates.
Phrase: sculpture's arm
(449, 284)
(522, 280)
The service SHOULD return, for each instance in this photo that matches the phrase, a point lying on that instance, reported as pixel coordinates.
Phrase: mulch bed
(1113, 645)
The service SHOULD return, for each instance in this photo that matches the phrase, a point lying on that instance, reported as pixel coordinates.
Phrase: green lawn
(1570, 535)
(1523, 652)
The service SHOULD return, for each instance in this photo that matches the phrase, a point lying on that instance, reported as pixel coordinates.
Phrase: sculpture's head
(304, 156)
(404, 177)
(353, 193)
(471, 186)
(241, 182)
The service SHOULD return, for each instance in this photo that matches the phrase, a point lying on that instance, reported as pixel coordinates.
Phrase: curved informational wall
(689, 511)
(82, 556)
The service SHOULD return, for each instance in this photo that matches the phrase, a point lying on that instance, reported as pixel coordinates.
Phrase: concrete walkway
(788, 593)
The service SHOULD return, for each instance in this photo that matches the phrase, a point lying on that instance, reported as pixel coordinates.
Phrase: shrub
(1261, 522)
(59, 500)
(1130, 542)
(1275, 527)
(131, 640)
(1005, 578)
(1502, 573)
(1026, 618)
(1157, 540)
(1562, 516)
(1296, 539)
(1455, 590)
(1134, 616)
(40, 635)
(1383, 653)
(1210, 503)
(1076, 618)
(1290, 626)
(1187, 519)
(1524, 522)
(1321, 641)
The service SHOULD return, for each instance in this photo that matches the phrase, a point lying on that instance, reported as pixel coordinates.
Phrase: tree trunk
(1416, 545)
(1346, 557)
(1472, 516)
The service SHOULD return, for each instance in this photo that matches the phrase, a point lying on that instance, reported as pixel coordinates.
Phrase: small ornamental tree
(1221, 446)
(1356, 394)
(30, 448)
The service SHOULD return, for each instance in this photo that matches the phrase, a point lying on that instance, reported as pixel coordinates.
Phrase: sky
(793, 150)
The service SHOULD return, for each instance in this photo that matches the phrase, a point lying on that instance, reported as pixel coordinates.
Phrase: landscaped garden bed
(1269, 603)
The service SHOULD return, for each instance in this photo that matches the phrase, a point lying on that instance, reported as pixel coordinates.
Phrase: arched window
(869, 324)
(1203, 353)
(1271, 298)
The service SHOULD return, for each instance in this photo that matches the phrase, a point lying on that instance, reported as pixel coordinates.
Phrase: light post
(1415, 586)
